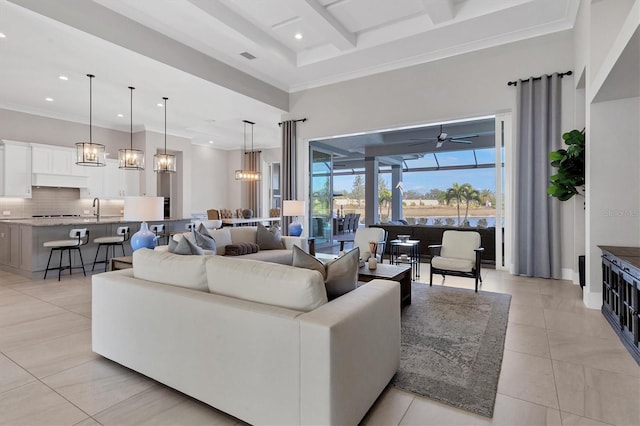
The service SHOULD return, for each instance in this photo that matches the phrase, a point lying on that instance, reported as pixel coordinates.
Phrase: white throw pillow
(168, 268)
(222, 237)
(268, 283)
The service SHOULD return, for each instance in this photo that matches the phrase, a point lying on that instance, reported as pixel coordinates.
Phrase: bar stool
(159, 231)
(122, 235)
(78, 237)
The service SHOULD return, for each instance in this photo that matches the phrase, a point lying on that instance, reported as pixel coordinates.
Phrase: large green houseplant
(570, 162)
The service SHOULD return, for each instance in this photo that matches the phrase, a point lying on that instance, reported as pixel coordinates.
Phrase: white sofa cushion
(169, 268)
(222, 237)
(242, 234)
(453, 264)
(279, 285)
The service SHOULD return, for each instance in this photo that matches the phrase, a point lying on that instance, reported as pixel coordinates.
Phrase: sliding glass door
(320, 196)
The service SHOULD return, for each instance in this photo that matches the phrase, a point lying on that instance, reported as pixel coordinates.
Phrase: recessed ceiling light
(63, 77)
(48, 99)
(210, 141)
(298, 36)
(120, 115)
(3, 35)
(160, 105)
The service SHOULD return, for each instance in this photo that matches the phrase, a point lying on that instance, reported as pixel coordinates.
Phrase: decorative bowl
(404, 237)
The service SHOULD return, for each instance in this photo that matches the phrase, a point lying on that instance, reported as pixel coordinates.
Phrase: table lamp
(143, 209)
(293, 208)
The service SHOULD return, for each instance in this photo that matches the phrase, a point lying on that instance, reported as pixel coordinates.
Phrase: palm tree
(456, 192)
(487, 196)
(469, 195)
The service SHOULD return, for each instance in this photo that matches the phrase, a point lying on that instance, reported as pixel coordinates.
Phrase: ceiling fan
(444, 137)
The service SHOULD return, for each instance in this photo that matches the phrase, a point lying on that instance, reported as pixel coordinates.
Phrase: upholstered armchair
(459, 254)
(365, 236)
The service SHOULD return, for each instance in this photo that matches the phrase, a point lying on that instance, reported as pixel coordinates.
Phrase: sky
(424, 181)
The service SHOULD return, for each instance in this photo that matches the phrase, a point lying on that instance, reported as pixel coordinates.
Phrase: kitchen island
(21, 240)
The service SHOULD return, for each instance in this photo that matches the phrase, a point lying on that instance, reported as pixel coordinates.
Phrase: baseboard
(569, 275)
(592, 300)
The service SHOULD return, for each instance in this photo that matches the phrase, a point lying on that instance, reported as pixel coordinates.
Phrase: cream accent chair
(459, 254)
(364, 236)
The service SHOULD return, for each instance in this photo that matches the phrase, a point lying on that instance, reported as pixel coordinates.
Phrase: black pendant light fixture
(164, 163)
(247, 174)
(131, 159)
(89, 153)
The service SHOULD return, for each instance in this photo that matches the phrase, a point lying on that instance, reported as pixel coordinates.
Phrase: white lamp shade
(143, 208)
(293, 208)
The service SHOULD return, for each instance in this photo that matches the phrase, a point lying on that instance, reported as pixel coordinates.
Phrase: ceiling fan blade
(469, 136)
(460, 141)
(439, 144)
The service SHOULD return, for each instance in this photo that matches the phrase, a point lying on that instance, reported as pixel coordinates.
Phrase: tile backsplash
(56, 201)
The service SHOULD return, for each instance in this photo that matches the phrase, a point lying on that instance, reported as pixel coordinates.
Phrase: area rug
(452, 345)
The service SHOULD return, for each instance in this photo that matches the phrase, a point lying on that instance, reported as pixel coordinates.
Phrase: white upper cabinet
(55, 160)
(119, 183)
(16, 170)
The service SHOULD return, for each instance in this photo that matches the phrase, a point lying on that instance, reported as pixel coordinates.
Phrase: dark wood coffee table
(384, 271)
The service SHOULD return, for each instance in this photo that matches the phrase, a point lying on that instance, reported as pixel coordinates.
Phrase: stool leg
(70, 264)
(96, 258)
(60, 263)
(81, 261)
(49, 261)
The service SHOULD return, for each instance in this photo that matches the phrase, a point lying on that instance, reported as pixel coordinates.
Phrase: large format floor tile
(36, 404)
(55, 355)
(562, 363)
(98, 384)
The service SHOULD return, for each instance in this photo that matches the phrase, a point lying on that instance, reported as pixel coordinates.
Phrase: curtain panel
(288, 168)
(537, 215)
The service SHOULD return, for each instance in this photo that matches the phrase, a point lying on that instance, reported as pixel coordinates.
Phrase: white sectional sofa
(247, 234)
(254, 339)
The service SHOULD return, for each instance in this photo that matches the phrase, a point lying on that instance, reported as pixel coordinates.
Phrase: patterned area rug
(452, 345)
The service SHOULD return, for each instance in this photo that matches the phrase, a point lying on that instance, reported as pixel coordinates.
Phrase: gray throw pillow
(302, 259)
(268, 240)
(204, 241)
(186, 247)
(203, 230)
(342, 274)
(172, 245)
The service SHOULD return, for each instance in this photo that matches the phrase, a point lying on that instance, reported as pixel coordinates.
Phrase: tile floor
(562, 365)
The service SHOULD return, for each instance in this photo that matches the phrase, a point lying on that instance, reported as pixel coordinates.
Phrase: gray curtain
(252, 162)
(288, 168)
(537, 215)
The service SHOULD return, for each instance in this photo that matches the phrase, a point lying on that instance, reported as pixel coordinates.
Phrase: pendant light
(164, 163)
(247, 174)
(89, 153)
(131, 159)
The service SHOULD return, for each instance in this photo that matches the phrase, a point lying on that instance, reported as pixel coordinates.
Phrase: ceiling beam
(244, 27)
(97, 20)
(439, 10)
(325, 22)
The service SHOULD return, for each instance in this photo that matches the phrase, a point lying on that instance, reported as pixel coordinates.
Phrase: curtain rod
(295, 121)
(561, 74)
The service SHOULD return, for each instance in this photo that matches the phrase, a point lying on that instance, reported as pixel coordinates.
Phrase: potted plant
(570, 178)
(570, 162)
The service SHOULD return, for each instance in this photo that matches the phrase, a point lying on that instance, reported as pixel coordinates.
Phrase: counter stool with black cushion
(78, 237)
(159, 231)
(122, 235)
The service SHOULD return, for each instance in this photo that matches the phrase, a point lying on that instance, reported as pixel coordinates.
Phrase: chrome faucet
(96, 212)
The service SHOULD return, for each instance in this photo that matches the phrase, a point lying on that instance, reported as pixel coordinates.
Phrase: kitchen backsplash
(56, 201)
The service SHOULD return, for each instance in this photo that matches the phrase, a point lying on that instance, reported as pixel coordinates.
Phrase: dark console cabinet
(621, 294)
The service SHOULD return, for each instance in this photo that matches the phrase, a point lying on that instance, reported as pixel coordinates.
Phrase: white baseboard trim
(569, 274)
(592, 300)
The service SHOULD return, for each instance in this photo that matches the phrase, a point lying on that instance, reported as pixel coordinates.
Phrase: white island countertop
(75, 220)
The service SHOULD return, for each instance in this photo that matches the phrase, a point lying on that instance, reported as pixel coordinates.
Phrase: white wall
(210, 179)
(23, 127)
(474, 84)
(613, 182)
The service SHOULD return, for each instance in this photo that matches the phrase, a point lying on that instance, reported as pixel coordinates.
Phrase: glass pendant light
(164, 163)
(131, 159)
(89, 153)
(247, 175)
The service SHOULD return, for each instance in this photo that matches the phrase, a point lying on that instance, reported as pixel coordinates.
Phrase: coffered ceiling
(197, 53)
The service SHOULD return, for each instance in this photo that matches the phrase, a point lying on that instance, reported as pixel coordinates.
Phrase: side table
(410, 248)
(123, 262)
